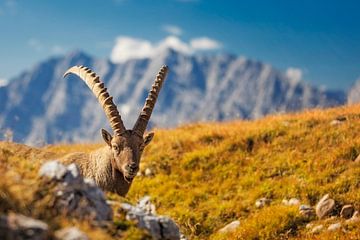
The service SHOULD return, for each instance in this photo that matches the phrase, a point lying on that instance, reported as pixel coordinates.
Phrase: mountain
(39, 106)
(354, 93)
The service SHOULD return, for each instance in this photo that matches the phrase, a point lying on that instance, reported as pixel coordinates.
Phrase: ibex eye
(116, 148)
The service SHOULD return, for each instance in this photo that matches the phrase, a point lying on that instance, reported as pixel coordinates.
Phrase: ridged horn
(97, 87)
(145, 114)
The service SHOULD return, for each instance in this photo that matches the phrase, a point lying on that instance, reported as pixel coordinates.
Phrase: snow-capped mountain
(40, 106)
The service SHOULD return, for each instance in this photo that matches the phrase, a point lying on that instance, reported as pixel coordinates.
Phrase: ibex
(114, 166)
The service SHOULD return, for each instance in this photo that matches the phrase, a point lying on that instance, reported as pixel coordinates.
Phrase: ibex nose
(132, 167)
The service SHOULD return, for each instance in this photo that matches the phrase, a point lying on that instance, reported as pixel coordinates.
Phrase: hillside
(42, 107)
(207, 175)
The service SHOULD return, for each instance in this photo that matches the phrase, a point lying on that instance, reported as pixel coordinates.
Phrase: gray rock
(306, 210)
(76, 196)
(160, 227)
(262, 202)
(70, 233)
(325, 206)
(317, 229)
(347, 211)
(230, 227)
(17, 226)
(334, 227)
(52, 170)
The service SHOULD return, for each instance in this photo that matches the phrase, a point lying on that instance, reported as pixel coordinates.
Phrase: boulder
(347, 211)
(230, 227)
(17, 226)
(325, 206)
(73, 195)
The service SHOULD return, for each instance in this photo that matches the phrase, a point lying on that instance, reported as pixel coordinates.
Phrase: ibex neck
(102, 159)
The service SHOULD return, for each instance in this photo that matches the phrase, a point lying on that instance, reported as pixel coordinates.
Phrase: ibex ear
(106, 136)
(148, 138)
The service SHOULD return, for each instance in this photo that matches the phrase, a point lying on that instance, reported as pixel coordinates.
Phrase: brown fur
(114, 166)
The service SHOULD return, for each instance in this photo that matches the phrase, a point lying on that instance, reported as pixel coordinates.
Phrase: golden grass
(209, 174)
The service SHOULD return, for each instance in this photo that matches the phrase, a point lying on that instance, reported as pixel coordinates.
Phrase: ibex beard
(114, 166)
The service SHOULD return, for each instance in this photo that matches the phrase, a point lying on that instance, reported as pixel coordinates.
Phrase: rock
(285, 202)
(145, 205)
(148, 172)
(70, 233)
(338, 120)
(52, 170)
(325, 206)
(294, 202)
(262, 202)
(334, 227)
(17, 226)
(354, 219)
(143, 214)
(230, 227)
(357, 159)
(347, 211)
(306, 211)
(73, 195)
(335, 122)
(317, 229)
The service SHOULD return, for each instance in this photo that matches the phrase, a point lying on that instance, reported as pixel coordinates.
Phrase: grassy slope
(207, 175)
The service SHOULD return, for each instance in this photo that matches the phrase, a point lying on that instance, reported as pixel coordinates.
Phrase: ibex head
(126, 145)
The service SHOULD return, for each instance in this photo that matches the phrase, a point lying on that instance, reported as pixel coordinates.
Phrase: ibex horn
(97, 87)
(143, 119)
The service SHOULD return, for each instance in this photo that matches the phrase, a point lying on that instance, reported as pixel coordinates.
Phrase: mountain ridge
(42, 107)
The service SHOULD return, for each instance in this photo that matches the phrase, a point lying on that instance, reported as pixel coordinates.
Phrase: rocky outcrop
(159, 227)
(71, 194)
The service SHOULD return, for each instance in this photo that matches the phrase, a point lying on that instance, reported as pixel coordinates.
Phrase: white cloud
(131, 48)
(172, 29)
(204, 43)
(134, 48)
(174, 43)
(3, 82)
(294, 73)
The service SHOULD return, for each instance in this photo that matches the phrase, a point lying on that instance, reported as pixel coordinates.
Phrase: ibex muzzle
(122, 155)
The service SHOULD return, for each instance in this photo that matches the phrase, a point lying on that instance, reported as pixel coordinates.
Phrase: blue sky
(319, 40)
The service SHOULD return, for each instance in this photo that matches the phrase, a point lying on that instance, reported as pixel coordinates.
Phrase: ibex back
(114, 166)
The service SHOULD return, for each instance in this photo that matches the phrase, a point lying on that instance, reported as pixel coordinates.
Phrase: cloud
(294, 73)
(204, 43)
(134, 48)
(131, 48)
(3, 82)
(172, 29)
